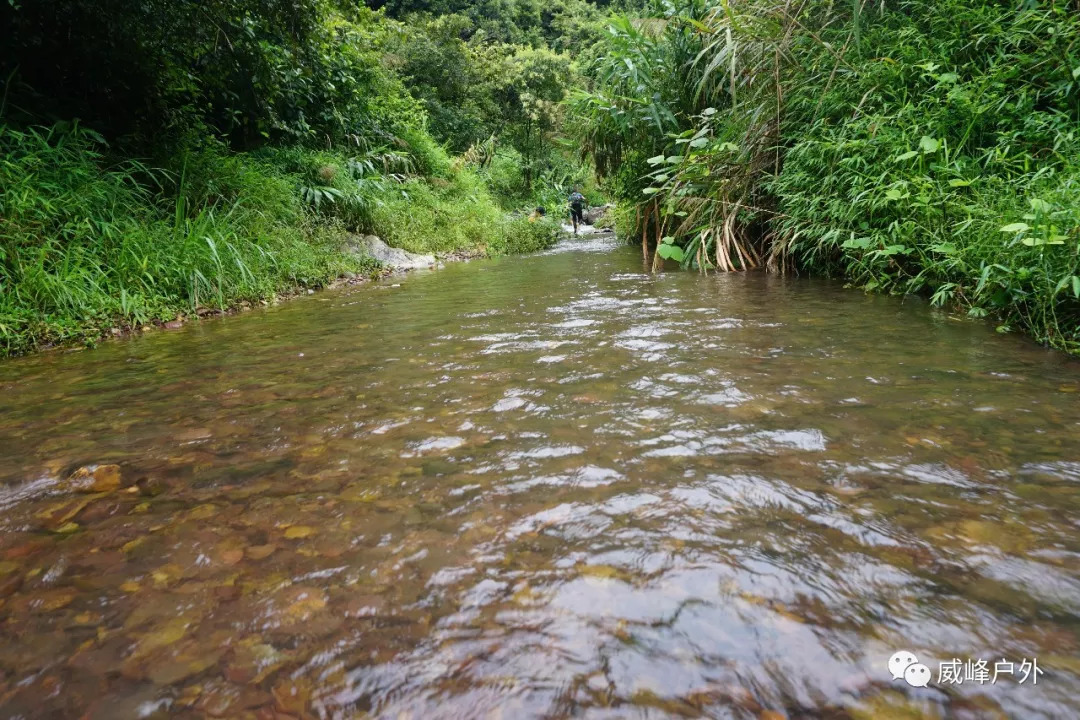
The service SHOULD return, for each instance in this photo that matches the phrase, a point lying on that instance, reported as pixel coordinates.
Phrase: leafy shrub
(249, 71)
(519, 235)
(437, 215)
(506, 179)
(265, 130)
(953, 176)
(430, 159)
(919, 146)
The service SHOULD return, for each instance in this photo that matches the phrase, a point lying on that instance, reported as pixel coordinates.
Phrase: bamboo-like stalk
(658, 261)
(644, 241)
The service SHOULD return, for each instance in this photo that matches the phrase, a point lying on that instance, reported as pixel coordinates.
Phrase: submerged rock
(95, 479)
(394, 257)
(58, 515)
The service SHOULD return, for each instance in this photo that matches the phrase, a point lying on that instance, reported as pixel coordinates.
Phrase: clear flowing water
(552, 486)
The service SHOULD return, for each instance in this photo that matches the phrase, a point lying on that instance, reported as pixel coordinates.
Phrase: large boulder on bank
(595, 214)
(393, 257)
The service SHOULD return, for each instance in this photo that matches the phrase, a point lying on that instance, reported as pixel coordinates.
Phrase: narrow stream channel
(552, 486)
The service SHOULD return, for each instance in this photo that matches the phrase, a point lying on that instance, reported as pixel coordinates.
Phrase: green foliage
(942, 161)
(562, 172)
(957, 175)
(480, 89)
(437, 215)
(247, 70)
(456, 214)
(536, 81)
(87, 246)
(430, 158)
(339, 186)
(520, 235)
(454, 79)
(643, 89)
(561, 24)
(265, 130)
(506, 179)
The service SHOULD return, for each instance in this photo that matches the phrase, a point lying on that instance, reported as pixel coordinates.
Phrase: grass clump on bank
(88, 244)
(440, 215)
(914, 146)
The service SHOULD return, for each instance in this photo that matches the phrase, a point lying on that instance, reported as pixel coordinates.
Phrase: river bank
(925, 147)
(406, 262)
(94, 246)
(380, 271)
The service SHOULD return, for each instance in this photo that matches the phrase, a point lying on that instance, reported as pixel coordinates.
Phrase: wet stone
(94, 479)
(59, 514)
(10, 583)
(187, 661)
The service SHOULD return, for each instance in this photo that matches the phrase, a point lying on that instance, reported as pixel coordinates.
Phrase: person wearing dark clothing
(577, 209)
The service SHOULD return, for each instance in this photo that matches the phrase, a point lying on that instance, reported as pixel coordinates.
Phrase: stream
(544, 487)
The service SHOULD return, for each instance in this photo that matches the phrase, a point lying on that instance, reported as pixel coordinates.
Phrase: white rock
(394, 257)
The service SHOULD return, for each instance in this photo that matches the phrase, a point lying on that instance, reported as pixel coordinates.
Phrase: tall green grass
(439, 215)
(89, 244)
(947, 162)
(564, 171)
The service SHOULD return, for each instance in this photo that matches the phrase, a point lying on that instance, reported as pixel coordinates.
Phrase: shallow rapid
(551, 486)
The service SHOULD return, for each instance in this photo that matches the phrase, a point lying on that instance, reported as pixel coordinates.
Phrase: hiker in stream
(577, 209)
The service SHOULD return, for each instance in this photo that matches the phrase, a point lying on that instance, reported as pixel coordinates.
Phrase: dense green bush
(521, 235)
(87, 246)
(974, 199)
(970, 123)
(249, 71)
(563, 172)
(479, 91)
(911, 146)
(438, 215)
(506, 180)
(561, 24)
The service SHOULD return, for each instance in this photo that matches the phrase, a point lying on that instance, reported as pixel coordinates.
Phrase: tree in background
(165, 155)
(447, 75)
(476, 88)
(560, 24)
(535, 83)
(248, 71)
